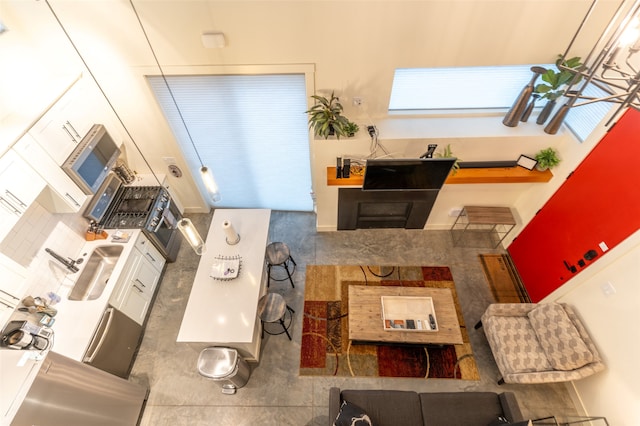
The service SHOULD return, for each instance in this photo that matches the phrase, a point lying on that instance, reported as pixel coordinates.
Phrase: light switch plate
(608, 289)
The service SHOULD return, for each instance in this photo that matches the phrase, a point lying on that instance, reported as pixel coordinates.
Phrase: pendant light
(185, 225)
(192, 236)
(205, 173)
(210, 183)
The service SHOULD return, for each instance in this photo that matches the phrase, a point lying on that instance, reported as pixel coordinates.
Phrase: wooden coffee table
(365, 316)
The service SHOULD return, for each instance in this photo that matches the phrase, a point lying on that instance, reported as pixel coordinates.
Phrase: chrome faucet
(69, 263)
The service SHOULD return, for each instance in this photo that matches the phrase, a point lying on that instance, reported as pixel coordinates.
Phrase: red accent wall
(599, 202)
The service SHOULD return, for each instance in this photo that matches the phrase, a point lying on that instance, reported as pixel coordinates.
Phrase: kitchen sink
(96, 273)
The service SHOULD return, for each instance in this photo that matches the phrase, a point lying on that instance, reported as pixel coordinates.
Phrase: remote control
(432, 322)
(346, 168)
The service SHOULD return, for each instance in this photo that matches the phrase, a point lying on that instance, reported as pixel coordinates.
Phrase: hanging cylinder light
(191, 234)
(210, 183)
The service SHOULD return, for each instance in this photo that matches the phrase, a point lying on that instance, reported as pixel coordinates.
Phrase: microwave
(92, 160)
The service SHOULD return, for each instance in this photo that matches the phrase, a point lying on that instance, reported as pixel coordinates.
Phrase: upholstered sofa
(539, 343)
(407, 408)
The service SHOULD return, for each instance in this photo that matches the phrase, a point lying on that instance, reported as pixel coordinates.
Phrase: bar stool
(272, 308)
(278, 255)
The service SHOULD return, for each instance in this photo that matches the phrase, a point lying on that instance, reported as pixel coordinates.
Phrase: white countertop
(226, 311)
(76, 321)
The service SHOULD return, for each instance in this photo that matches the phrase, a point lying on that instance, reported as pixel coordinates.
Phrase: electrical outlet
(357, 101)
(455, 212)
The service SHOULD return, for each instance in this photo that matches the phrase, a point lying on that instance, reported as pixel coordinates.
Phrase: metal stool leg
(286, 267)
(284, 327)
(268, 275)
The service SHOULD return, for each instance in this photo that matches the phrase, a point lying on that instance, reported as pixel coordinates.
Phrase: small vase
(529, 108)
(546, 111)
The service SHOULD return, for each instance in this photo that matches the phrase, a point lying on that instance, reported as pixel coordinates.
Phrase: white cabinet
(138, 281)
(66, 123)
(61, 128)
(66, 197)
(20, 185)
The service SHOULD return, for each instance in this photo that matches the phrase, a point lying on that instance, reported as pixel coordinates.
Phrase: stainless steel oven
(149, 208)
(162, 230)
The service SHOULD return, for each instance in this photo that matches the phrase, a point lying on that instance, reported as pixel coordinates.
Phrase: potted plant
(325, 117)
(351, 129)
(547, 158)
(553, 86)
(447, 153)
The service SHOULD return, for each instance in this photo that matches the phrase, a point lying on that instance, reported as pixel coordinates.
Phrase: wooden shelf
(499, 175)
(353, 180)
(485, 175)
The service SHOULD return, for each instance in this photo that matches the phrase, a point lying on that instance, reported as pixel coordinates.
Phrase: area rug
(503, 279)
(326, 349)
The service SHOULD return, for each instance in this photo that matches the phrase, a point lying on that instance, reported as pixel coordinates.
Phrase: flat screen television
(410, 174)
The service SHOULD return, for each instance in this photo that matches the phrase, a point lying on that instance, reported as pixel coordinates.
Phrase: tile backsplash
(28, 235)
(36, 230)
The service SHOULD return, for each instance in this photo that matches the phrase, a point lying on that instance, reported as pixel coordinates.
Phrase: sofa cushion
(559, 338)
(387, 407)
(515, 345)
(460, 408)
(351, 415)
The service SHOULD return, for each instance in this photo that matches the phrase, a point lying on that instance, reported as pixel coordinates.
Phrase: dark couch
(407, 408)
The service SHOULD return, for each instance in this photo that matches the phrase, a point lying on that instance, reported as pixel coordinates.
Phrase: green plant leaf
(542, 88)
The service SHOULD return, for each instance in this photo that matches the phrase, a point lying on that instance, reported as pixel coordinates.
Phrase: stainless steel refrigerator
(68, 392)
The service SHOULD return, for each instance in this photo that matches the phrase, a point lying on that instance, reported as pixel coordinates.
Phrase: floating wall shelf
(480, 175)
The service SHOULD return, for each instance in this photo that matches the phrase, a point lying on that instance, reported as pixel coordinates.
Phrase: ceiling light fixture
(612, 65)
(205, 172)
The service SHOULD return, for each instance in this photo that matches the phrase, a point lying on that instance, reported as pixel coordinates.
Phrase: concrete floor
(275, 393)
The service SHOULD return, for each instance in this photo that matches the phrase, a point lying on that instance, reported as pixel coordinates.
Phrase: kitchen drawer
(136, 304)
(146, 277)
(150, 253)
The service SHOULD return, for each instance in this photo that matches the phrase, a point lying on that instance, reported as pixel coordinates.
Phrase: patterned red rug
(327, 350)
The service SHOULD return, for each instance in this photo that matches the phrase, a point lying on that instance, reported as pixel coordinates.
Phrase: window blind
(458, 88)
(581, 120)
(250, 130)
